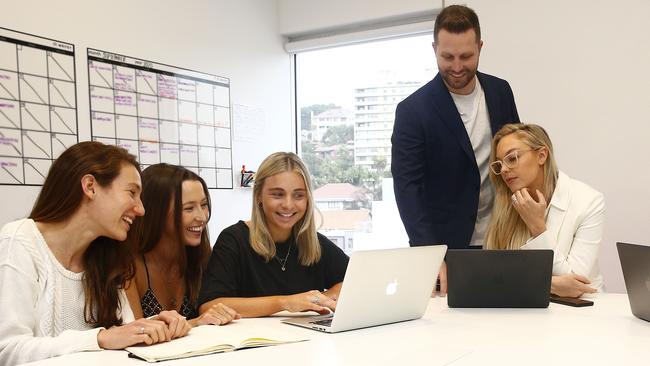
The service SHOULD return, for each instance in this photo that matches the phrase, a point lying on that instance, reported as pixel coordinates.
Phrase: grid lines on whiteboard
(38, 105)
(162, 114)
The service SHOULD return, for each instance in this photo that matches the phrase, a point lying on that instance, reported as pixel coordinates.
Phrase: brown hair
(457, 19)
(107, 264)
(304, 231)
(162, 184)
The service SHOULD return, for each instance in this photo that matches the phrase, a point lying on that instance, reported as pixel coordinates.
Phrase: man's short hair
(457, 19)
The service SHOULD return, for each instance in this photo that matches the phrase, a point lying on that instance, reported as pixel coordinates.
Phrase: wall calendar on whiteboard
(38, 105)
(162, 114)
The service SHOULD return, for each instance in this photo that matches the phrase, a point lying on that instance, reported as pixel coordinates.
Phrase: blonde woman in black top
(276, 261)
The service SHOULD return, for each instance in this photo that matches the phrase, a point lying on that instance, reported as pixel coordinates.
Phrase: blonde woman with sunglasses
(539, 207)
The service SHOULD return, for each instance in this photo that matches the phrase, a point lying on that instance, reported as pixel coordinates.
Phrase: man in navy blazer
(441, 139)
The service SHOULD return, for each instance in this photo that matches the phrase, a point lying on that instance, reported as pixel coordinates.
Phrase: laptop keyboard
(324, 322)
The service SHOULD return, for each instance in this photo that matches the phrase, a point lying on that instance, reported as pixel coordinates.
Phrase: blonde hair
(507, 230)
(304, 231)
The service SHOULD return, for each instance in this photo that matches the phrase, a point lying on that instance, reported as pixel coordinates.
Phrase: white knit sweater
(42, 302)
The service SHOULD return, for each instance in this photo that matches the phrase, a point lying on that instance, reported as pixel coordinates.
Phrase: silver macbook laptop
(381, 287)
(635, 261)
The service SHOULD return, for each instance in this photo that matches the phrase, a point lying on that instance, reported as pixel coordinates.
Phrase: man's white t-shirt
(474, 114)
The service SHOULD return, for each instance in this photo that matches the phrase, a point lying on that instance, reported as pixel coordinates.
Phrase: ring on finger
(514, 198)
(316, 300)
(141, 330)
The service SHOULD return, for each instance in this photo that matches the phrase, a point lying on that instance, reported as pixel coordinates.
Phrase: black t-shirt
(235, 270)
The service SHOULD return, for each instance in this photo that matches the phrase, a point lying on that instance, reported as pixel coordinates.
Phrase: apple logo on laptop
(391, 288)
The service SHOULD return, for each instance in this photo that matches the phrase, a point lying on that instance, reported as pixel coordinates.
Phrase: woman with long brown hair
(172, 246)
(276, 261)
(62, 270)
(539, 207)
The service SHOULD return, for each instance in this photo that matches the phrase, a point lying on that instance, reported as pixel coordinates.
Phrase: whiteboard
(38, 105)
(162, 114)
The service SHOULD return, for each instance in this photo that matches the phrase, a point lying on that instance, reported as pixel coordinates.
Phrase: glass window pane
(347, 98)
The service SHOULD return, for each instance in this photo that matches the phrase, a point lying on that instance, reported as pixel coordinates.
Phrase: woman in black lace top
(171, 246)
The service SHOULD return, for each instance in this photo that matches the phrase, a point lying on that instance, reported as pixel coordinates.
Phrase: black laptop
(499, 278)
(635, 261)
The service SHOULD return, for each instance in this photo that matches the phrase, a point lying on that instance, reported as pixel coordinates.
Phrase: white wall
(236, 39)
(578, 68)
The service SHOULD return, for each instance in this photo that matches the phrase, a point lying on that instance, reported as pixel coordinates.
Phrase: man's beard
(456, 84)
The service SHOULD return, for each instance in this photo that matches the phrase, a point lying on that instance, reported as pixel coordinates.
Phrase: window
(357, 88)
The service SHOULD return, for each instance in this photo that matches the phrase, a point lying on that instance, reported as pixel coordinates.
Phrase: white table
(604, 334)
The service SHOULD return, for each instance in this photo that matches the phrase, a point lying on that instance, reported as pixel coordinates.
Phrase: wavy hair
(507, 230)
(304, 231)
(108, 265)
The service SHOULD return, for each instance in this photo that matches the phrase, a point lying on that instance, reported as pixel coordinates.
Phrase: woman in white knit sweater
(62, 271)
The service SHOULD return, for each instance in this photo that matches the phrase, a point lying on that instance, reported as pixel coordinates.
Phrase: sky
(331, 75)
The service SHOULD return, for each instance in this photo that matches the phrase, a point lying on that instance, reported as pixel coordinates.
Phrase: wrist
(194, 322)
(554, 285)
(282, 303)
(538, 230)
(101, 338)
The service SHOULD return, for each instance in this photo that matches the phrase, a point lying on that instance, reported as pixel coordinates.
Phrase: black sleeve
(408, 166)
(335, 261)
(221, 278)
(514, 115)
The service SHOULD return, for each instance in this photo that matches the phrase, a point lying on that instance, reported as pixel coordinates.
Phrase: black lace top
(151, 306)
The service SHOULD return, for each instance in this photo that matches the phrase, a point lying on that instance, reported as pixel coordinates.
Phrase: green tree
(337, 135)
(306, 113)
(310, 157)
(340, 168)
(379, 171)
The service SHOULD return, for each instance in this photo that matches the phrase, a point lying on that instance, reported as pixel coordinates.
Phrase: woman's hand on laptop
(571, 285)
(442, 282)
(309, 301)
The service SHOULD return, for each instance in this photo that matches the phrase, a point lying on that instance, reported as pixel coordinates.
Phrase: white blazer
(574, 229)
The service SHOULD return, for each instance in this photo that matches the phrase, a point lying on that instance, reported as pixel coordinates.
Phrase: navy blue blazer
(436, 178)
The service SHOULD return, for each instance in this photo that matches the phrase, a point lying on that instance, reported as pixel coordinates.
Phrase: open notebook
(207, 339)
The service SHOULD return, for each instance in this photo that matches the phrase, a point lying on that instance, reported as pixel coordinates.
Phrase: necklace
(172, 288)
(171, 281)
(283, 262)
